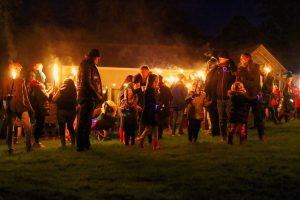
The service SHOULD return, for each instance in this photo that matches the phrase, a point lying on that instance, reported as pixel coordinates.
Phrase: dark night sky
(211, 16)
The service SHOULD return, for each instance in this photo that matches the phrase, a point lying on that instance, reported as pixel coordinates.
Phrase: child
(195, 111)
(106, 120)
(149, 115)
(129, 110)
(239, 111)
(65, 99)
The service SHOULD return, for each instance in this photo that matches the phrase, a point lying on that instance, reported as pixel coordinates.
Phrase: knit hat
(94, 53)
(224, 54)
(289, 74)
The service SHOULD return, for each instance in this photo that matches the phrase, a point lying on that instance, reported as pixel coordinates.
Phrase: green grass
(207, 170)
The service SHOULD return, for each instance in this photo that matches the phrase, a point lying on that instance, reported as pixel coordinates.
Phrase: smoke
(6, 19)
(127, 34)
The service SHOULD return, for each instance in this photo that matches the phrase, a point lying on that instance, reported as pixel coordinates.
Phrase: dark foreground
(209, 169)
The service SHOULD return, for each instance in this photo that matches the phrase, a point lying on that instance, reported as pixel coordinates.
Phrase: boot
(141, 140)
(155, 145)
(28, 147)
(121, 133)
(63, 141)
(230, 139)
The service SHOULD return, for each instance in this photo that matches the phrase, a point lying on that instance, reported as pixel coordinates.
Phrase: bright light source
(55, 73)
(201, 75)
(125, 85)
(158, 71)
(188, 85)
(267, 69)
(181, 71)
(13, 74)
(114, 85)
(74, 71)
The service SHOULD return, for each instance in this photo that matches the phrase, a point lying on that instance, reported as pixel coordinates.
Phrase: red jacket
(297, 98)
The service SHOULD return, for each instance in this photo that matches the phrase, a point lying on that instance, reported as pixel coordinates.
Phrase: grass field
(209, 169)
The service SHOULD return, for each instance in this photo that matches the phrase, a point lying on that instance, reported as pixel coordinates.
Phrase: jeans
(66, 117)
(25, 120)
(84, 125)
(193, 129)
(38, 127)
(223, 110)
(214, 119)
(177, 120)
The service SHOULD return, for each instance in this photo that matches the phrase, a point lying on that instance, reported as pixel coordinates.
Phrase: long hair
(150, 80)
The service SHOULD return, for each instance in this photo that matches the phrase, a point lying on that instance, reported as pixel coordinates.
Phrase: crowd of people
(147, 106)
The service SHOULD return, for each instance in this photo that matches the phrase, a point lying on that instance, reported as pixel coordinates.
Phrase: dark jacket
(38, 99)
(129, 113)
(89, 82)
(267, 91)
(20, 101)
(179, 92)
(164, 100)
(149, 117)
(226, 78)
(250, 76)
(239, 108)
(66, 97)
(211, 81)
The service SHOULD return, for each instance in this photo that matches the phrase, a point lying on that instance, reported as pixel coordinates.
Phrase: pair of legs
(234, 129)
(223, 111)
(153, 131)
(258, 112)
(84, 125)
(38, 128)
(25, 120)
(129, 134)
(177, 120)
(193, 129)
(214, 118)
(66, 117)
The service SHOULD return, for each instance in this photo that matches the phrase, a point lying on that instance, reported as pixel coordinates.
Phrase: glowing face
(97, 60)
(144, 73)
(130, 94)
(244, 59)
(156, 83)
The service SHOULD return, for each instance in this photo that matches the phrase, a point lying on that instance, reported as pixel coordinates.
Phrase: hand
(139, 108)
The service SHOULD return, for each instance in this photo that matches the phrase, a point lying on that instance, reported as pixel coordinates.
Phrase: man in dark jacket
(211, 95)
(164, 100)
(226, 78)
(249, 75)
(179, 93)
(89, 95)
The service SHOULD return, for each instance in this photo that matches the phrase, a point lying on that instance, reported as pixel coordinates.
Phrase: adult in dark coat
(179, 93)
(89, 95)
(226, 77)
(149, 115)
(211, 95)
(267, 95)
(164, 100)
(66, 102)
(249, 74)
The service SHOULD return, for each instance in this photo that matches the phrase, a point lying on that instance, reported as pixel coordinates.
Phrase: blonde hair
(238, 87)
